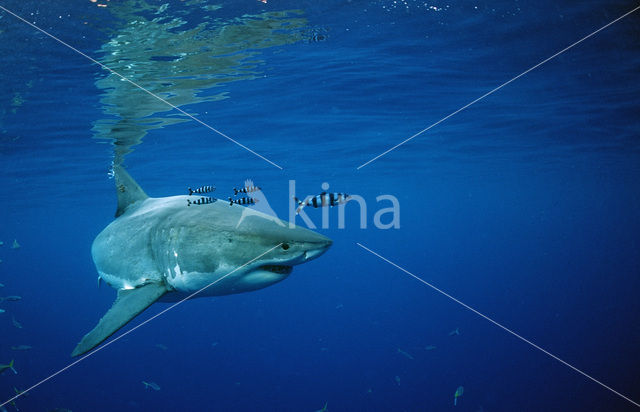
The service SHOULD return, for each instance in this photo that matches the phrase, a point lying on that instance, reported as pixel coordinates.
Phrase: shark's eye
(285, 246)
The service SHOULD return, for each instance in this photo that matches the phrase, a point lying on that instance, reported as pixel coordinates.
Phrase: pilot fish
(242, 201)
(322, 200)
(201, 190)
(246, 189)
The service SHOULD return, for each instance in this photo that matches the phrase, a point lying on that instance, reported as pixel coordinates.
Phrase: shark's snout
(317, 249)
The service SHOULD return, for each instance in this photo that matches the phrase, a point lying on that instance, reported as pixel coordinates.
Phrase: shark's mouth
(280, 269)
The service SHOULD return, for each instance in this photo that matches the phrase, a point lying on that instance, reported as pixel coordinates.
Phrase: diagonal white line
(136, 327)
(139, 87)
(497, 88)
(498, 324)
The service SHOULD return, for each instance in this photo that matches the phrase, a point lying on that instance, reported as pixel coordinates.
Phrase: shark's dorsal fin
(128, 190)
(128, 304)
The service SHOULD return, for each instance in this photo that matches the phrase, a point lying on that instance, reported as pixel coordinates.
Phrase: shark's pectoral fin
(128, 304)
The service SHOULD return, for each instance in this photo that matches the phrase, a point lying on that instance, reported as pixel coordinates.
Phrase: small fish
(21, 347)
(407, 355)
(214, 344)
(458, 394)
(243, 201)
(161, 346)
(9, 366)
(322, 200)
(1, 285)
(16, 323)
(19, 393)
(201, 201)
(10, 298)
(429, 347)
(15, 244)
(456, 331)
(246, 190)
(397, 378)
(1, 243)
(151, 385)
(324, 408)
(2, 310)
(202, 190)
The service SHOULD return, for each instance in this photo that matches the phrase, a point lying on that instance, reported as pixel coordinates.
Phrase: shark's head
(250, 250)
(285, 246)
(290, 246)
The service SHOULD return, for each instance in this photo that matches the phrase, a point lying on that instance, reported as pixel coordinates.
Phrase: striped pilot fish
(202, 190)
(201, 201)
(246, 189)
(322, 200)
(243, 201)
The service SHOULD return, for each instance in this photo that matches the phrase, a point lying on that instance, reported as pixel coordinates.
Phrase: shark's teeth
(281, 269)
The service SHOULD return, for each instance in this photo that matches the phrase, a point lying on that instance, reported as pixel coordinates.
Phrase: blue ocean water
(525, 206)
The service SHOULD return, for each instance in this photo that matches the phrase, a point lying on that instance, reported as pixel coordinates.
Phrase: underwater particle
(1, 243)
(454, 332)
(397, 379)
(17, 100)
(15, 244)
(458, 394)
(214, 344)
(2, 310)
(151, 385)
(1, 285)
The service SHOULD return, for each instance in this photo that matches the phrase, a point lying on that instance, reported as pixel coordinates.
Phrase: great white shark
(163, 249)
